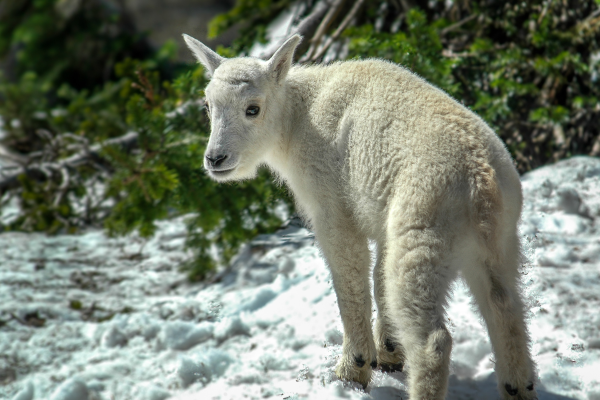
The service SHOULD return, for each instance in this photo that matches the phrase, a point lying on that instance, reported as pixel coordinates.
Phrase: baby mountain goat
(372, 151)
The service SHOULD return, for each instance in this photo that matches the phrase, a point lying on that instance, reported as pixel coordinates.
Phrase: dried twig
(592, 15)
(81, 142)
(544, 11)
(64, 185)
(12, 157)
(325, 23)
(458, 24)
(305, 28)
(357, 5)
(43, 171)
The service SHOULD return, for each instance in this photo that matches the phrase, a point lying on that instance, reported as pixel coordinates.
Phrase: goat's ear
(203, 54)
(280, 63)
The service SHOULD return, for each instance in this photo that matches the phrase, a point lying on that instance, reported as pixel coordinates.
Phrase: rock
(26, 393)
(152, 392)
(7, 375)
(594, 343)
(180, 335)
(204, 366)
(230, 327)
(67, 8)
(594, 395)
(168, 19)
(569, 200)
(334, 336)
(190, 371)
(71, 389)
(286, 266)
(113, 337)
(149, 332)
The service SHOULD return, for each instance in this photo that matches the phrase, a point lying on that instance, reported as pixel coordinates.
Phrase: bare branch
(41, 171)
(357, 5)
(305, 28)
(64, 185)
(544, 11)
(592, 15)
(458, 24)
(325, 23)
(12, 157)
(44, 134)
(407, 4)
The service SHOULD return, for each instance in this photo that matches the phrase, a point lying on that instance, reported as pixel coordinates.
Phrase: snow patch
(98, 318)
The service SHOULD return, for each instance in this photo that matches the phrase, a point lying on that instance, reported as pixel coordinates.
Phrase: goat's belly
(370, 197)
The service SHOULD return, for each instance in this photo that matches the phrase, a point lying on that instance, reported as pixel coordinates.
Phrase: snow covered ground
(94, 318)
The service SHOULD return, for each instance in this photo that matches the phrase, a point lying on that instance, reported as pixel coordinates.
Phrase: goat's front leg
(347, 253)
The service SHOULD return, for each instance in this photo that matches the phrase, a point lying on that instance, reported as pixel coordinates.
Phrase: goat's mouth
(221, 172)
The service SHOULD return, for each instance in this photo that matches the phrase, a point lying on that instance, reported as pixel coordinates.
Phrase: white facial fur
(239, 142)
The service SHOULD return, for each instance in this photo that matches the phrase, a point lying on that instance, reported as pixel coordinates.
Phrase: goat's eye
(252, 111)
(207, 108)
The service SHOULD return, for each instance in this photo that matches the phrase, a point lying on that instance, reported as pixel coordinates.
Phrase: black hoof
(374, 364)
(530, 387)
(392, 367)
(360, 362)
(389, 345)
(511, 390)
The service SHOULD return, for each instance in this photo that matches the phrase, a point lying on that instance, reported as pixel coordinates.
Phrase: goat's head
(245, 101)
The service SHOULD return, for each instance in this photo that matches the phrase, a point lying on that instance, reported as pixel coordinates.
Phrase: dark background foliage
(99, 127)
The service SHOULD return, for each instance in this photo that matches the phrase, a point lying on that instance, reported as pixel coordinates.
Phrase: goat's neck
(286, 157)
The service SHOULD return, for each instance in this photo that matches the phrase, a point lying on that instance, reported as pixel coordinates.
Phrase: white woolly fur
(372, 151)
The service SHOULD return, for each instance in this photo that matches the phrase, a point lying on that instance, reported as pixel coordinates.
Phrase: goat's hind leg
(390, 354)
(494, 285)
(416, 285)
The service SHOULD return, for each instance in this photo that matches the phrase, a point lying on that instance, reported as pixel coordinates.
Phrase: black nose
(216, 161)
